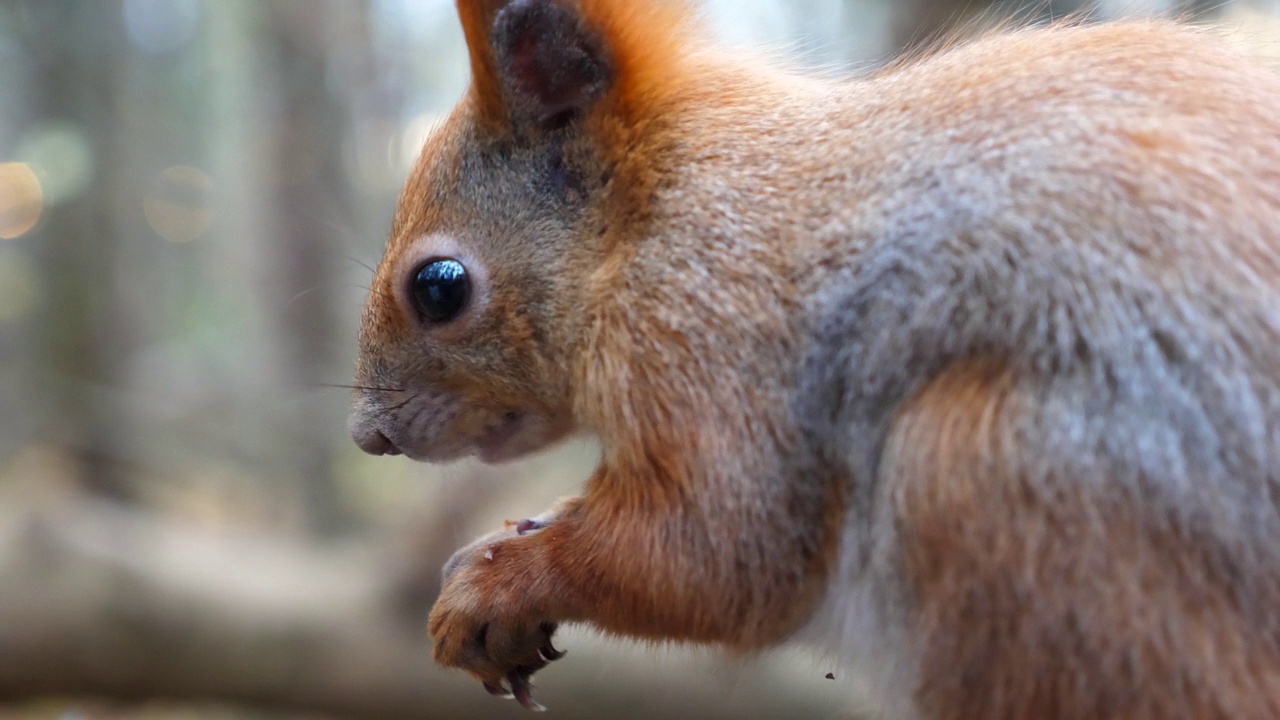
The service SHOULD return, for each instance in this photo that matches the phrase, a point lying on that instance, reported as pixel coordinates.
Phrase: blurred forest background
(192, 194)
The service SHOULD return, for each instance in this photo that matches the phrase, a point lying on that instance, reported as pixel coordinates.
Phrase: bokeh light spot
(158, 27)
(62, 154)
(179, 206)
(21, 200)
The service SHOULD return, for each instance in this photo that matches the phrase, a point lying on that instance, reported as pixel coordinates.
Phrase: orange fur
(649, 43)
(1073, 606)
(486, 88)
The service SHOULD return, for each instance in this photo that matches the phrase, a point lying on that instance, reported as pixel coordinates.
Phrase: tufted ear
(477, 18)
(536, 64)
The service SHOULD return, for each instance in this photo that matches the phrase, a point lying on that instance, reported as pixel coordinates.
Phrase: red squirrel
(968, 369)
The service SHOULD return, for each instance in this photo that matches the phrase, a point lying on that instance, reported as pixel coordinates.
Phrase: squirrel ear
(553, 67)
(535, 63)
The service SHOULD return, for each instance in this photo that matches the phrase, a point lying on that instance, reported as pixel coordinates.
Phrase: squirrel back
(971, 367)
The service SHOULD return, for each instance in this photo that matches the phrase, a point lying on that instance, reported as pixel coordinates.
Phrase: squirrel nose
(372, 441)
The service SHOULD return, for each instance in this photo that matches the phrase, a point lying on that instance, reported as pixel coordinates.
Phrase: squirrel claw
(549, 651)
(523, 691)
(499, 690)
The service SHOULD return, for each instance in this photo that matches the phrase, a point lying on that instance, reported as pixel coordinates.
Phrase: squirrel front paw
(502, 653)
(497, 611)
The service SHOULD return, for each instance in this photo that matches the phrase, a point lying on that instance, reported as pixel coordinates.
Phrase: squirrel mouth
(498, 443)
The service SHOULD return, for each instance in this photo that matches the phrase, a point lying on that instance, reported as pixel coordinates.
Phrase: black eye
(441, 289)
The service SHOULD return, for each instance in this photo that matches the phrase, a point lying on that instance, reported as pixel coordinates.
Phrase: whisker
(345, 286)
(355, 387)
(362, 264)
(344, 232)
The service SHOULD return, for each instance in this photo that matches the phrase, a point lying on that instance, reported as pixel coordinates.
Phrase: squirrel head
(477, 315)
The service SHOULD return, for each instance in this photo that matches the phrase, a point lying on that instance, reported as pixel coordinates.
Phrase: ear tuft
(553, 67)
(536, 64)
